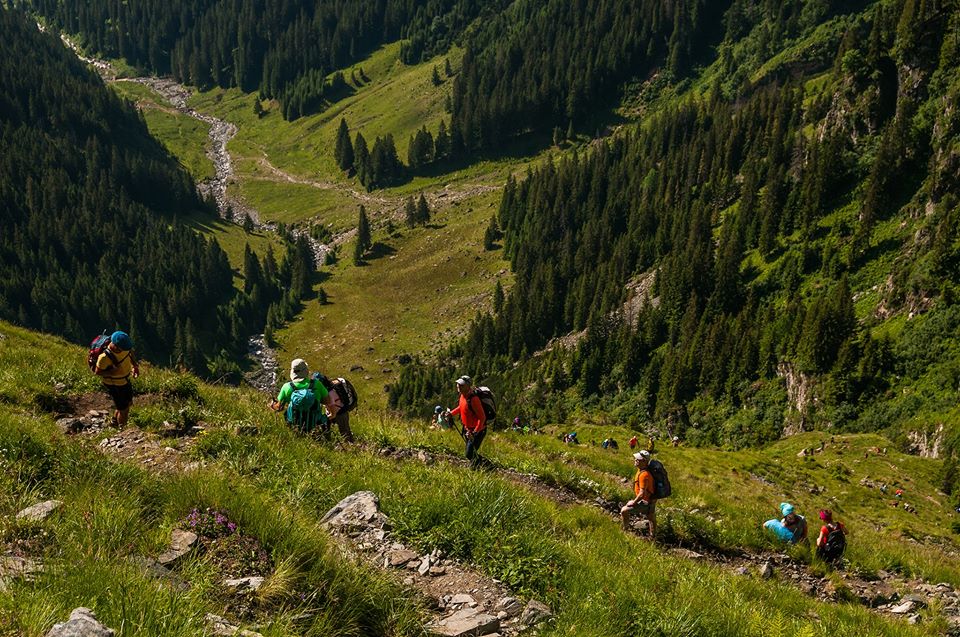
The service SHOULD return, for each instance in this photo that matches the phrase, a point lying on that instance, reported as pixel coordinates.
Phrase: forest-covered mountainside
(93, 210)
(775, 249)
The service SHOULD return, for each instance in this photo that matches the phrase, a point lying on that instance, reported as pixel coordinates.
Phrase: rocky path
(884, 592)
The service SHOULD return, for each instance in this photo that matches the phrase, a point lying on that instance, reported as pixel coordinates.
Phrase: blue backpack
(304, 412)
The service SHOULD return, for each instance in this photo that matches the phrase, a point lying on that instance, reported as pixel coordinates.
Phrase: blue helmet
(122, 340)
(438, 409)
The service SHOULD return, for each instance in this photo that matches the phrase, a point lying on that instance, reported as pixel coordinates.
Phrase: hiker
(633, 443)
(676, 441)
(301, 397)
(115, 366)
(792, 528)
(444, 419)
(651, 443)
(644, 501)
(898, 494)
(474, 420)
(832, 540)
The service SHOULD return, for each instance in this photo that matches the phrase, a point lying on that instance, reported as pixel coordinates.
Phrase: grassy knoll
(599, 580)
(185, 137)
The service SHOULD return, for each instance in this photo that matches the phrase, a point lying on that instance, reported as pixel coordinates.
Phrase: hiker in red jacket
(473, 417)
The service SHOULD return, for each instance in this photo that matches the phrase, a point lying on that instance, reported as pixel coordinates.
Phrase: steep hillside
(784, 231)
(529, 521)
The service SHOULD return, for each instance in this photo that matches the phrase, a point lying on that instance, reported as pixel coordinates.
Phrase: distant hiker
(474, 419)
(883, 488)
(633, 442)
(651, 444)
(792, 528)
(443, 418)
(301, 398)
(676, 441)
(571, 438)
(909, 508)
(832, 540)
(609, 443)
(115, 365)
(898, 494)
(644, 501)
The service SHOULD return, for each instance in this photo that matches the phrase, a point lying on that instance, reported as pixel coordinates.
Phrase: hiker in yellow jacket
(115, 366)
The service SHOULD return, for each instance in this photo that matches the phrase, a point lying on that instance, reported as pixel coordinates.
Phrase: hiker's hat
(122, 340)
(299, 370)
(786, 509)
(643, 454)
(465, 380)
(826, 515)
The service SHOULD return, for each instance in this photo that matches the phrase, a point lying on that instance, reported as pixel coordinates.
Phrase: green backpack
(303, 412)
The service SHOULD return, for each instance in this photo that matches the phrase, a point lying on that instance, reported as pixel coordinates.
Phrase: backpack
(836, 544)
(98, 346)
(661, 483)
(346, 392)
(303, 412)
(487, 400)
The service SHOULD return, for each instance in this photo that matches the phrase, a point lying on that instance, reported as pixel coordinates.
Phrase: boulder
(153, 570)
(463, 598)
(359, 510)
(466, 623)
(82, 623)
(181, 543)
(39, 512)
(535, 613)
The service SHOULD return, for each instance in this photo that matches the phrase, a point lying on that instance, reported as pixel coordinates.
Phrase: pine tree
(363, 231)
(343, 150)
(410, 212)
(435, 77)
(362, 161)
(423, 211)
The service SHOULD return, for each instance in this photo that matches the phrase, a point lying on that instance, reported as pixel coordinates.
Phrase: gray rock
(766, 571)
(39, 512)
(359, 510)
(742, 570)
(244, 583)
(153, 570)
(222, 628)
(510, 605)
(466, 623)
(82, 623)
(181, 543)
(463, 598)
(13, 567)
(535, 613)
(913, 619)
(401, 557)
(904, 608)
(70, 425)
(424, 566)
(919, 600)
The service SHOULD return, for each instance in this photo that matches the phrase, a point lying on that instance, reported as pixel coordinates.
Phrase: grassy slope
(601, 581)
(184, 136)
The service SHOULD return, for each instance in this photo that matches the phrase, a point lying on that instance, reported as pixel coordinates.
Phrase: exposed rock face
(799, 394)
(927, 444)
(39, 512)
(220, 627)
(82, 623)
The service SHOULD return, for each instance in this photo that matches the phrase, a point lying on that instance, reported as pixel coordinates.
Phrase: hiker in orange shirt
(644, 503)
(473, 417)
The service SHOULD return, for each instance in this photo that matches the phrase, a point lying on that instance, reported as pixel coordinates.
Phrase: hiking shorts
(122, 395)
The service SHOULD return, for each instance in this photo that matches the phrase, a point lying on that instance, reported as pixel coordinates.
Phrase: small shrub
(180, 387)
